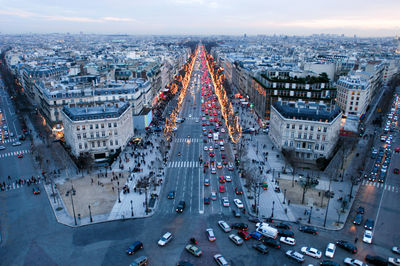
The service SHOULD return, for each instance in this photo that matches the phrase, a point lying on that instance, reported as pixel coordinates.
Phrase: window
(97, 134)
(305, 136)
(86, 146)
(311, 136)
(98, 143)
(318, 136)
(83, 127)
(299, 135)
(78, 128)
(319, 129)
(111, 142)
(287, 125)
(92, 144)
(104, 143)
(91, 135)
(293, 126)
(103, 133)
(80, 146)
(115, 124)
(309, 146)
(286, 143)
(78, 136)
(292, 135)
(316, 147)
(323, 137)
(115, 132)
(109, 124)
(325, 129)
(97, 126)
(315, 156)
(84, 135)
(322, 147)
(300, 127)
(298, 145)
(305, 127)
(116, 142)
(91, 126)
(312, 128)
(102, 125)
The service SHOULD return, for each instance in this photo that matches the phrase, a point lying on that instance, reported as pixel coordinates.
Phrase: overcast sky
(300, 17)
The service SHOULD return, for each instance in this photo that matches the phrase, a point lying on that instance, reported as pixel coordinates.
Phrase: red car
(20, 155)
(244, 234)
(206, 164)
(396, 171)
(211, 154)
(221, 189)
(221, 179)
(397, 150)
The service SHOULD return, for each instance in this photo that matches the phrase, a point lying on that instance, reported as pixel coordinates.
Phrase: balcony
(94, 138)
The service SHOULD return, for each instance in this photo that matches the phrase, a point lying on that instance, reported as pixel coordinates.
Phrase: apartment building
(99, 130)
(353, 95)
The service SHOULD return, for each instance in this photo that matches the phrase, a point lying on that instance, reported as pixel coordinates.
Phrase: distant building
(99, 130)
(353, 95)
(310, 130)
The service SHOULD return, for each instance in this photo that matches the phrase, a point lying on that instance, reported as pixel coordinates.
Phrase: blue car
(134, 247)
(256, 235)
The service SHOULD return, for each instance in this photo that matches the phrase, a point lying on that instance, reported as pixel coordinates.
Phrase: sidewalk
(100, 190)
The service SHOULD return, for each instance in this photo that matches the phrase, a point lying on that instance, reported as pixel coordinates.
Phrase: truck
(215, 137)
(267, 230)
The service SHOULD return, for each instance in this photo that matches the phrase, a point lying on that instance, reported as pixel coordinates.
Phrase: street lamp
(131, 209)
(284, 195)
(71, 191)
(90, 214)
(119, 199)
(309, 217)
(273, 206)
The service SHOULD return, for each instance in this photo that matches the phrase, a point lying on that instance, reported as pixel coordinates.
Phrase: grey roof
(310, 111)
(96, 112)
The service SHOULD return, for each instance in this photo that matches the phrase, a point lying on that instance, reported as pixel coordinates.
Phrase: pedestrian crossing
(384, 186)
(4, 141)
(181, 164)
(14, 153)
(192, 140)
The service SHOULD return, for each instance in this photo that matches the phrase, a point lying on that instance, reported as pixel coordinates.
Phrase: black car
(376, 260)
(361, 210)
(283, 225)
(181, 206)
(308, 229)
(171, 194)
(184, 263)
(271, 242)
(285, 232)
(255, 220)
(358, 219)
(261, 248)
(346, 246)
(240, 226)
(329, 263)
(369, 224)
(134, 247)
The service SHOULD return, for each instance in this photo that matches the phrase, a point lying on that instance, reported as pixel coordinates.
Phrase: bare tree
(254, 181)
(306, 184)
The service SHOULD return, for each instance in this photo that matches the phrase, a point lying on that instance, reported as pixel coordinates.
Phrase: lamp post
(329, 198)
(284, 196)
(90, 214)
(131, 209)
(72, 202)
(309, 217)
(273, 206)
(119, 199)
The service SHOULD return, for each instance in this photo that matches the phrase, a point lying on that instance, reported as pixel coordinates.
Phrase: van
(142, 260)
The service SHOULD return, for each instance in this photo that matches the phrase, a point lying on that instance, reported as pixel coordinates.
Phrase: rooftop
(96, 112)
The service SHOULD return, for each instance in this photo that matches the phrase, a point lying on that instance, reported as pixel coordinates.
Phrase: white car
(222, 148)
(394, 261)
(236, 239)
(2, 148)
(221, 261)
(396, 250)
(238, 203)
(224, 226)
(312, 252)
(210, 235)
(222, 130)
(205, 148)
(225, 202)
(354, 262)
(16, 143)
(367, 238)
(211, 148)
(288, 240)
(165, 239)
(330, 250)
(228, 178)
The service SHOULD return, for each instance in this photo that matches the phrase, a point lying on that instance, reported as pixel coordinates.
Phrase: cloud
(26, 14)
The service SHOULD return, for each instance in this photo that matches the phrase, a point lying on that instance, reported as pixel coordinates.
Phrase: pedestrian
(113, 189)
(355, 240)
(92, 180)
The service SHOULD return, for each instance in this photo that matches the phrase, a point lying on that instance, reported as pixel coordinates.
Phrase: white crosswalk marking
(385, 187)
(183, 164)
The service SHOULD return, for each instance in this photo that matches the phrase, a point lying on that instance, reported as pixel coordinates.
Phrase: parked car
(244, 234)
(358, 219)
(141, 261)
(394, 261)
(256, 235)
(361, 210)
(295, 256)
(285, 233)
(283, 225)
(271, 242)
(367, 237)
(396, 250)
(240, 226)
(369, 224)
(354, 262)
(328, 263)
(220, 260)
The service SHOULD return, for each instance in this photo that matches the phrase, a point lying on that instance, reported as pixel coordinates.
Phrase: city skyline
(202, 17)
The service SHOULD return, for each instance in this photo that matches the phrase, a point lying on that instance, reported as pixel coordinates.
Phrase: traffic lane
(17, 167)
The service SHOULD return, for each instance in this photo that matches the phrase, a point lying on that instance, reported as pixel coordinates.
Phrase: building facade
(353, 95)
(309, 130)
(99, 130)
